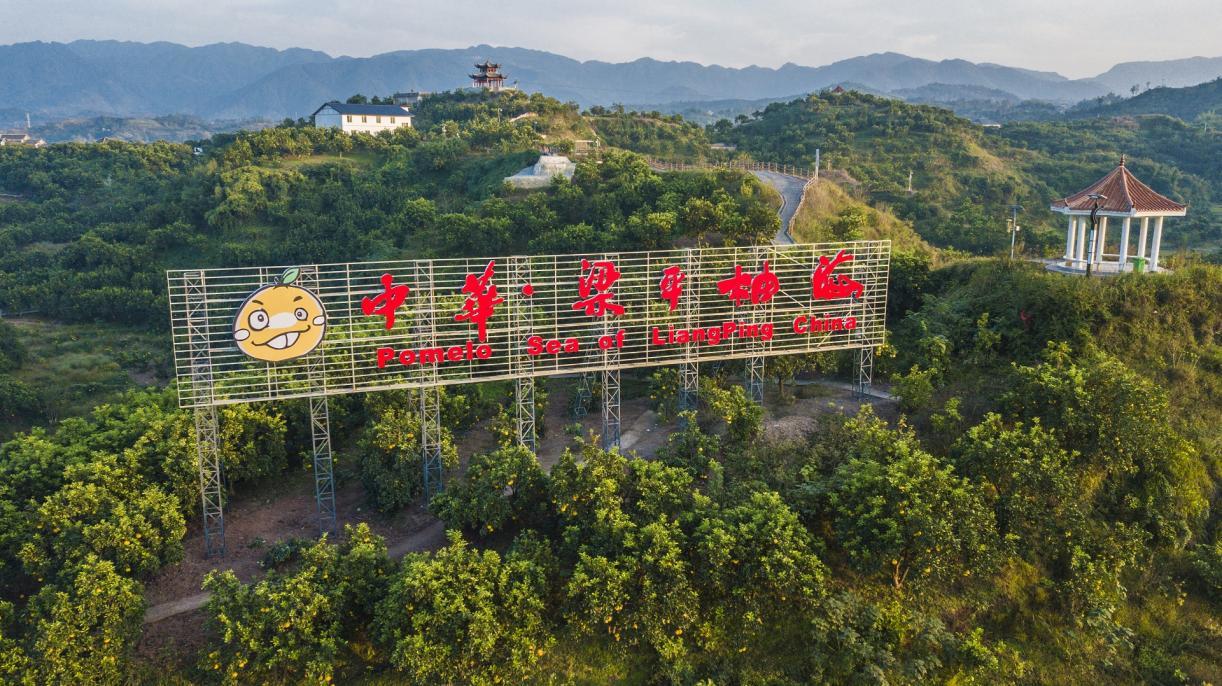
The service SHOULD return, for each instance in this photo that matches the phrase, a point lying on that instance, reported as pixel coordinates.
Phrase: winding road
(791, 189)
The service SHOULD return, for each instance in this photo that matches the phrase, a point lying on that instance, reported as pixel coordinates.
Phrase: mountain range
(235, 81)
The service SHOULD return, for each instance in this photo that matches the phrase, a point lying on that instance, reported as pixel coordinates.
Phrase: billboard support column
(865, 371)
(211, 491)
(320, 428)
(324, 481)
(430, 393)
(207, 442)
(689, 370)
(525, 396)
(611, 409)
(522, 326)
(755, 363)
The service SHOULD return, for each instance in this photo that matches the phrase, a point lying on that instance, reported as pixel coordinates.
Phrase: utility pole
(1014, 210)
(909, 181)
(816, 163)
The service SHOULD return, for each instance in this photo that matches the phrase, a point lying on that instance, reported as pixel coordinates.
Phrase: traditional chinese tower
(1121, 196)
(489, 76)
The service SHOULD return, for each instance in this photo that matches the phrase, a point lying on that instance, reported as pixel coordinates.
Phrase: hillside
(237, 81)
(1185, 103)
(965, 176)
(1034, 504)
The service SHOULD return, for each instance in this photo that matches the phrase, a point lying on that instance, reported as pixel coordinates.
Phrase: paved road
(790, 188)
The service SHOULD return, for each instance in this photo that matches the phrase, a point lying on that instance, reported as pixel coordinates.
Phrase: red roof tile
(1124, 194)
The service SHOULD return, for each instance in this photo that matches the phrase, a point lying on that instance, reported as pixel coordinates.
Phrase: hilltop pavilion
(1123, 197)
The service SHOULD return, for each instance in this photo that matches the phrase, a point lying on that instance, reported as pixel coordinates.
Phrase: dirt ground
(277, 511)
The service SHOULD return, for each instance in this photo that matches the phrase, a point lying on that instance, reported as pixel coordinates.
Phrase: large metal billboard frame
(258, 334)
(211, 369)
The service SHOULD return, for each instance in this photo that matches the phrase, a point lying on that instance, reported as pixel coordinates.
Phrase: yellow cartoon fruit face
(280, 321)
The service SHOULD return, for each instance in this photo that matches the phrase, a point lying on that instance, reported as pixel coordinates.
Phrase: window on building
(364, 119)
(392, 120)
(377, 119)
(350, 119)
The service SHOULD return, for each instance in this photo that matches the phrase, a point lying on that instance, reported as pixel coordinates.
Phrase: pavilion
(1122, 196)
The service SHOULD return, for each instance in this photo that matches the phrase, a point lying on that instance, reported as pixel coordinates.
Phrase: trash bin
(1139, 264)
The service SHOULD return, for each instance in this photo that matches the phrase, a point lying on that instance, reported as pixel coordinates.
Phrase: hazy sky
(1074, 37)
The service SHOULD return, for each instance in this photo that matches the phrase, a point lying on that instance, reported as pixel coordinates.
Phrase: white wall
(329, 118)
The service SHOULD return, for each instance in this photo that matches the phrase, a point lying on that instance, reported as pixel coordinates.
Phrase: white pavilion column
(1158, 241)
(1141, 237)
(1070, 237)
(1081, 247)
(1101, 240)
(1124, 242)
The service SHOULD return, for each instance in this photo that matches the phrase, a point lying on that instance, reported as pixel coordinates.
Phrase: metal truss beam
(865, 371)
(525, 397)
(689, 388)
(755, 379)
(522, 323)
(583, 395)
(320, 428)
(611, 409)
(207, 441)
(324, 480)
(211, 487)
(689, 370)
(430, 394)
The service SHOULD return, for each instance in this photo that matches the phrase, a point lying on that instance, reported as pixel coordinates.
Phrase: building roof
(384, 110)
(1123, 193)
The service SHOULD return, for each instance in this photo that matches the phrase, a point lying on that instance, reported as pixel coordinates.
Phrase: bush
(502, 488)
(464, 616)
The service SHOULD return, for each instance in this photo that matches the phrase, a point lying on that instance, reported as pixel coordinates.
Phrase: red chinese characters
(481, 300)
(758, 288)
(385, 303)
(826, 285)
(670, 287)
(595, 289)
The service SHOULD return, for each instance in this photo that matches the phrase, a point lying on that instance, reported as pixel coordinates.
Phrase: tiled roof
(384, 110)
(1124, 193)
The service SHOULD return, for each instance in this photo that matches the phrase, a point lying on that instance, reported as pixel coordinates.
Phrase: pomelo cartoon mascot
(280, 321)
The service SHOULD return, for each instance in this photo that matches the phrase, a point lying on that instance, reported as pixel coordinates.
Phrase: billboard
(268, 333)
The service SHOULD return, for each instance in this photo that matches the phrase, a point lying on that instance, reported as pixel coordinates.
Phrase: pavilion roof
(1124, 194)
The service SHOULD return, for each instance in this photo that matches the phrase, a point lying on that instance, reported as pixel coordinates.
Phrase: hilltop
(237, 81)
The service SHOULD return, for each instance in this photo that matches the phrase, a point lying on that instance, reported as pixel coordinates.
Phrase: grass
(826, 201)
(73, 367)
(364, 160)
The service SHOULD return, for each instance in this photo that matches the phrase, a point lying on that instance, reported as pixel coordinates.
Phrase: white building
(20, 139)
(540, 175)
(361, 118)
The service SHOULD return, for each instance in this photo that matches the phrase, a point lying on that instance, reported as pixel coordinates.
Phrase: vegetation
(1040, 514)
(964, 177)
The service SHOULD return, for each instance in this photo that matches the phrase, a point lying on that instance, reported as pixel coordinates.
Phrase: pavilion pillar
(1158, 241)
(1070, 235)
(1141, 237)
(1124, 243)
(1081, 247)
(1101, 240)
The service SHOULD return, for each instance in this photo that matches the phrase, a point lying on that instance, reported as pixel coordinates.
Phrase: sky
(1075, 38)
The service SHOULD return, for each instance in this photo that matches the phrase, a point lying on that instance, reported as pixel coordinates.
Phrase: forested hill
(1185, 103)
(965, 176)
(1038, 508)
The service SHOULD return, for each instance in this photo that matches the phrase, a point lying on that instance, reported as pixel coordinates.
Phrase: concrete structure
(361, 118)
(541, 174)
(24, 139)
(410, 98)
(1120, 196)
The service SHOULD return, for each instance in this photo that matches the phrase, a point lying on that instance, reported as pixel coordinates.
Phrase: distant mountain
(238, 81)
(1121, 78)
(1186, 103)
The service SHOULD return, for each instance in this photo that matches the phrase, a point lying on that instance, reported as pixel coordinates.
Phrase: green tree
(502, 488)
(464, 616)
(83, 631)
